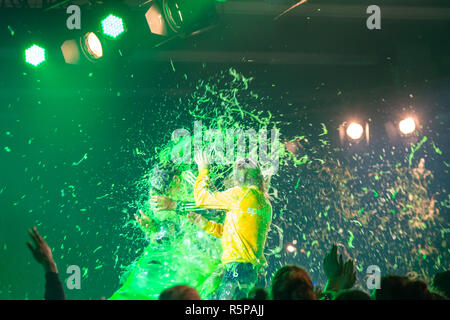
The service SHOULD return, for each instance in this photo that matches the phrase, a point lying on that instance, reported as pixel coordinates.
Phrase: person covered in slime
(176, 254)
(244, 232)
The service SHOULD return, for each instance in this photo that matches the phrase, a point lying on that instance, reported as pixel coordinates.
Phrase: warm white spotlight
(355, 131)
(290, 248)
(93, 45)
(407, 126)
(89, 45)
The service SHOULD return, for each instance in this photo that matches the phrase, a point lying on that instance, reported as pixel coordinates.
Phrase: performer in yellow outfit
(244, 232)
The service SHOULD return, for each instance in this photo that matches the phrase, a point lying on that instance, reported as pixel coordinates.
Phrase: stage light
(180, 17)
(355, 131)
(407, 126)
(290, 248)
(35, 55)
(89, 45)
(92, 47)
(113, 26)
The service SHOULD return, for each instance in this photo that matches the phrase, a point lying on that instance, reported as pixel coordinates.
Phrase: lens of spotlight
(407, 126)
(92, 46)
(355, 131)
(35, 55)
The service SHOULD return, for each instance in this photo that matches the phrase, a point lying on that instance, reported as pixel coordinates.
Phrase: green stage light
(35, 55)
(113, 26)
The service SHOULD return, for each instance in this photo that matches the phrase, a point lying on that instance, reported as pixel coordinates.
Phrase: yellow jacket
(247, 221)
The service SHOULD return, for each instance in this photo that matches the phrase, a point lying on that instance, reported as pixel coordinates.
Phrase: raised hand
(201, 159)
(331, 265)
(147, 224)
(162, 203)
(197, 219)
(41, 252)
(348, 275)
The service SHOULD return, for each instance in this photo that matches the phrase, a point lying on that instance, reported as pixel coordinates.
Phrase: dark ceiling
(319, 43)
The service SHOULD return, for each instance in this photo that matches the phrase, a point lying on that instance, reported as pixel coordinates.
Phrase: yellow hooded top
(247, 220)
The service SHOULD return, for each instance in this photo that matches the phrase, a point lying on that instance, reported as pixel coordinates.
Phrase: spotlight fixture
(92, 47)
(112, 26)
(35, 55)
(88, 46)
(354, 132)
(407, 126)
(180, 17)
(403, 128)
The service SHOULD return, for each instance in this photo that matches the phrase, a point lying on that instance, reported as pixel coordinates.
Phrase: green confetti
(298, 182)
(324, 128)
(301, 161)
(11, 31)
(350, 240)
(394, 194)
(415, 148)
(437, 150)
(98, 248)
(81, 160)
